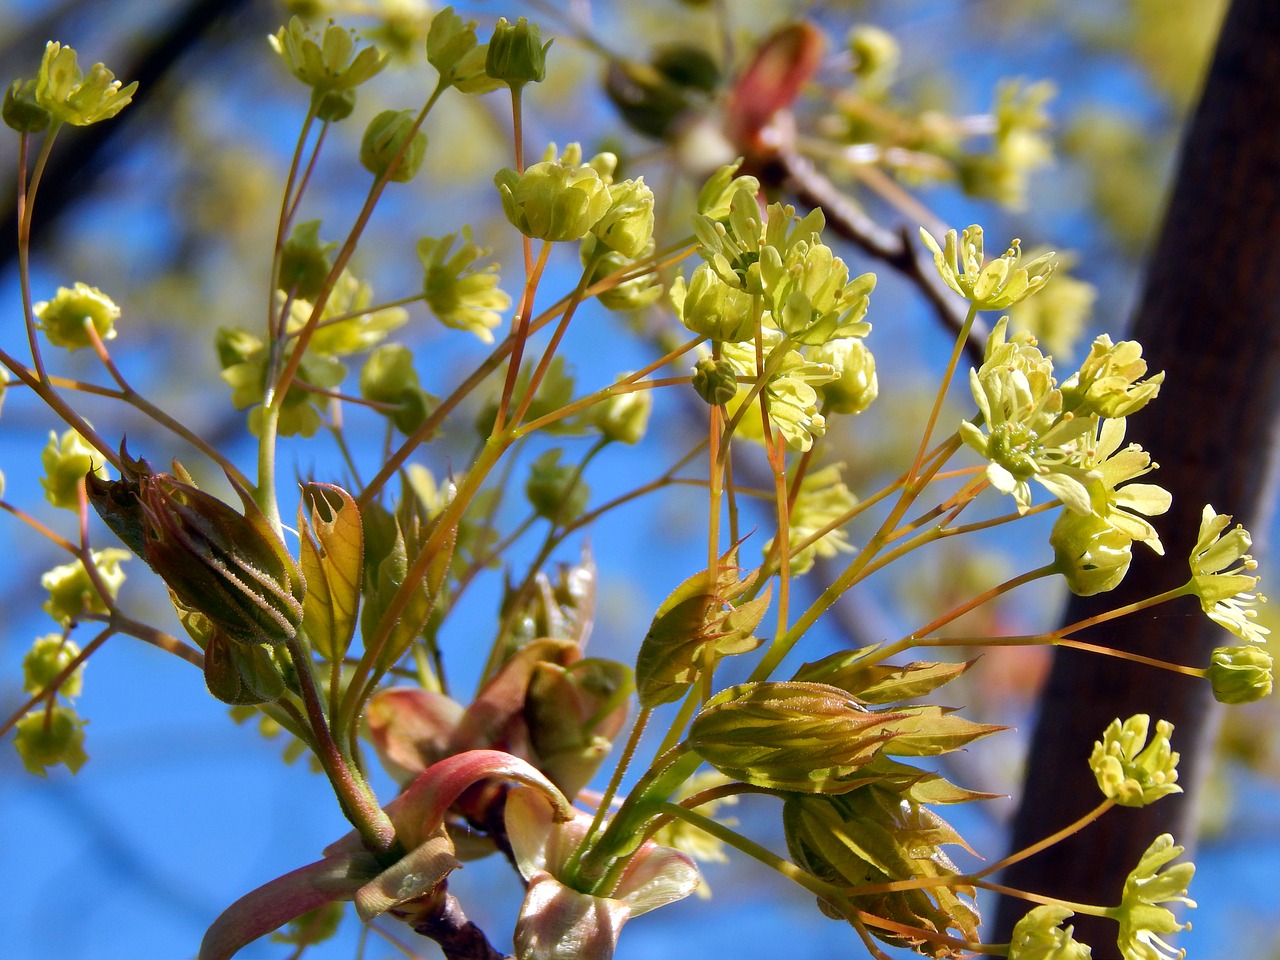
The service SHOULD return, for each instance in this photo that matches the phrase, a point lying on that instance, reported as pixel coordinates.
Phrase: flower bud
(333, 105)
(516, 53)
(556, 490)
(384, 142)
(47, 658)
(21, 111)
(305, 262)
(554, 200)
(627, 226)
(875, 56)
(1240, 674)
(1040, 936)
(66, 462)
(71, 592)
(229, 566)
(856, 385)
(1131, 771)
(715, 380)
(388, 377)
(45, 738)
(710, 307)
(64, 317)
(1092, 555)
(634, 294)
(623, 417)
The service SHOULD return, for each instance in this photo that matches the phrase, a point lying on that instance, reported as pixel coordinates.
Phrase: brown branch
(798, 175)
(439, 917)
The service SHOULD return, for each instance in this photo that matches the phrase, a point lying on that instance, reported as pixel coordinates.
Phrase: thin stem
(521, 333)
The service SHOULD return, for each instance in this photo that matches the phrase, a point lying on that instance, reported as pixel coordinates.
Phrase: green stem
(356, 799)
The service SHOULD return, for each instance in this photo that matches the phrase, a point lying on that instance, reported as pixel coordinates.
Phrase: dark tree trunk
(1210, 316)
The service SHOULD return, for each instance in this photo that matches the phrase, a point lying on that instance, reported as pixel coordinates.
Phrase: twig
(797, 174)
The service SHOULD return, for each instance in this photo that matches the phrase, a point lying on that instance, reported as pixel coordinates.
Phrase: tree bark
(1209, 315)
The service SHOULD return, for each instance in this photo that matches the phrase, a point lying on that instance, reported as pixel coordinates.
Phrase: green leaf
(692, 629)
(878, 682)
(929, 731)
(332, 559)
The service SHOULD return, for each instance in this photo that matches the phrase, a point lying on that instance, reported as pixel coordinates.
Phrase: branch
(440, 918)
(797, 174)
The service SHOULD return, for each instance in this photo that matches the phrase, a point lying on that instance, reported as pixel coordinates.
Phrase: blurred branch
(798, 175)
(86, 156)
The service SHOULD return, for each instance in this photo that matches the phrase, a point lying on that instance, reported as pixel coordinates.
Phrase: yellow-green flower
(822, 499)
(64, 317)
(70, 96)
(1124, 505)
(1027, 437)
(333, 64)
(1220, 577)
(461, 296)
(556, 199)
(1091, 554)
(1109, 382)
(71, 592)
(45, 738)
(48, 657)
(1142, 920)
(1131, 771)
(1040, 936)
(66, 461)
(991, 285)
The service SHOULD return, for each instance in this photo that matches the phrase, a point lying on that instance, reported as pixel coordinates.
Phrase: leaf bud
(516, 54)
(45, 738)
(66, 461)
(716, 381)
(1240, 674)
(1091, 554)
(229, 566)
(391, 138)
(556, 490)
(803, 737)
(1131, 771)
(21, 110)
(48, 657)
(64, 317)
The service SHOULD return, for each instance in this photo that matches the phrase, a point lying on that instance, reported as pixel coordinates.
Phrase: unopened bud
(1240, 674)
(389, 137)
(715, 380)
(517, 54)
